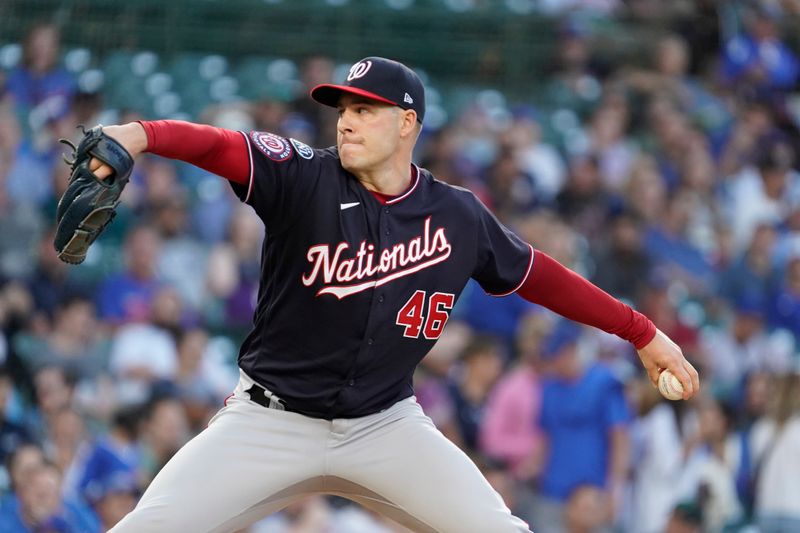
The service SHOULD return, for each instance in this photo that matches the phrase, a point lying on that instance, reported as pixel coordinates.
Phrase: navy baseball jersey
(354, 292)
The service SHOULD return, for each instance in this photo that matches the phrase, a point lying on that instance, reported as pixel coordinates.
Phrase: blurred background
(649, 145)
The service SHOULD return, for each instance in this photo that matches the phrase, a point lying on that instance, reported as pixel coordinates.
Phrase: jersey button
(380, 298)
(370, 341)
(351, 383)
(387, 232)
(386, 210)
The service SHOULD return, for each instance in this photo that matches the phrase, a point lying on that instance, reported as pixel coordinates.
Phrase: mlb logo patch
(302, 149)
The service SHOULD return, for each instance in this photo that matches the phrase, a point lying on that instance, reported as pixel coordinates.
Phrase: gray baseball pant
(252, 461)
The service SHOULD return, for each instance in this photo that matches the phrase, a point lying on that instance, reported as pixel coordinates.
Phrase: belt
(258, 395)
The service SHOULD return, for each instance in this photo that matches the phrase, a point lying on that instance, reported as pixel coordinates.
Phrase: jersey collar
(415, 172)
(387, 199)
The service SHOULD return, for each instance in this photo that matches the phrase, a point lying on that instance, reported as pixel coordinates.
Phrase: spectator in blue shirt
(753, 271)
(115, 450)
(39, 78)
(128, 296)
(19, 464)
(668, 244)
(492, 316)
(112, 492)
(585, 419)
(758, 58)
(784, 311)
(41, 507)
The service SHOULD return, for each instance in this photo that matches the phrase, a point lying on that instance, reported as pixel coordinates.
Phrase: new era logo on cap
(379, 79)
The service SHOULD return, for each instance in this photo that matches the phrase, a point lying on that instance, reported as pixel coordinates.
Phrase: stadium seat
(10, 55)
(78, 60)
(267, 78)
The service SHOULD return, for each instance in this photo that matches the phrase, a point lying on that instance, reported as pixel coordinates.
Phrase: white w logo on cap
(358, 70)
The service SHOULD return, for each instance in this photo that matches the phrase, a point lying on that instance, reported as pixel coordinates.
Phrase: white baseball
(669, 386)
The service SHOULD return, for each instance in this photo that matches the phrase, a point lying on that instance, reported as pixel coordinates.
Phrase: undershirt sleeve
(561, 290)
(220, 151)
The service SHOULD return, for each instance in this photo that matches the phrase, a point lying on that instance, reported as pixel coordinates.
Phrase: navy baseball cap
(379, 79)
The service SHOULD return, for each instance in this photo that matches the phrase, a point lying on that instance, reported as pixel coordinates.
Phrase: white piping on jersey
(338, 274)
(250, 156)
(409, 191)
(348, 206)
(524, 278)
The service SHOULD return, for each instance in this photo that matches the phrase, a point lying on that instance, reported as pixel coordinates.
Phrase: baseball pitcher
(364, 257)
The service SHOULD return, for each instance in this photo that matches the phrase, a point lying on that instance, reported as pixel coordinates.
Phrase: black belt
(257, 395)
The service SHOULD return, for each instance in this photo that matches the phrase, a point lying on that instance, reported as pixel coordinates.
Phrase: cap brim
(328, 94)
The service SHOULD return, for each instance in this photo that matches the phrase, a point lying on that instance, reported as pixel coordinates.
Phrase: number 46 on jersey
(425, 315)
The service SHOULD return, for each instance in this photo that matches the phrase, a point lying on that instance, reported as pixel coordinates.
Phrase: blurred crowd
(671, 181)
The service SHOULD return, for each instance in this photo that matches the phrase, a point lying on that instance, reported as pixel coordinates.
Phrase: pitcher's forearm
(217, 150)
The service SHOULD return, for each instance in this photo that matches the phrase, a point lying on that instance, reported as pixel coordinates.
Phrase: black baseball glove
(89, 203)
